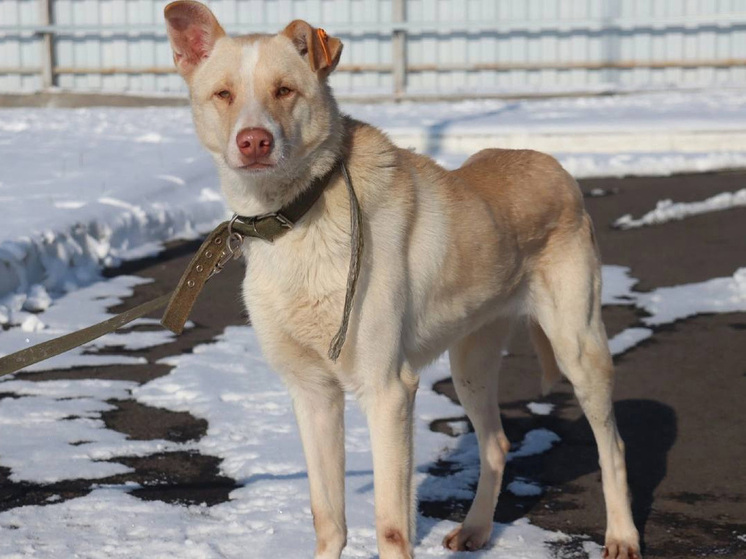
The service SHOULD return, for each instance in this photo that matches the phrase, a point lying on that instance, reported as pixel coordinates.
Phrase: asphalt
(679, 396)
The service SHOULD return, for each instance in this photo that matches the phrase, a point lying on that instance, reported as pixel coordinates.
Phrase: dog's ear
(320, 50)
(192, 30)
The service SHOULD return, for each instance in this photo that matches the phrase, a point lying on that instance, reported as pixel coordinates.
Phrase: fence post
(399, 48)
(47, 48)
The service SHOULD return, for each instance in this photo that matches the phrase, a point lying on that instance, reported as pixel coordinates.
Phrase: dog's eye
(224, 94)
(283, 91)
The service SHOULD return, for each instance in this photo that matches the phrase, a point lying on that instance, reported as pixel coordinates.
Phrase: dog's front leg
(319, 410)
(389, 406)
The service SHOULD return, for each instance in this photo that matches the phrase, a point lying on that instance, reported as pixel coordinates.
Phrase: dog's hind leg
(319, 410)
(566, 304)
(475, 362)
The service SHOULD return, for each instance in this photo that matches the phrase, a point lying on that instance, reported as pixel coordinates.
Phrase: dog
(451, 261)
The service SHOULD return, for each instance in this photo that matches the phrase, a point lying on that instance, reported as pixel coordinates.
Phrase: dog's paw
(618, 549)
(466, 538)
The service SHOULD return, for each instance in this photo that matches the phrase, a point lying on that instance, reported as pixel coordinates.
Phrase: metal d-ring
(231, 250)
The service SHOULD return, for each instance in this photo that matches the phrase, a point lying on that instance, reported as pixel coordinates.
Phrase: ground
(678, 398)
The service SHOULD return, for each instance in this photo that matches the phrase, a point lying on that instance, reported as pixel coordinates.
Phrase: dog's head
(261, 103)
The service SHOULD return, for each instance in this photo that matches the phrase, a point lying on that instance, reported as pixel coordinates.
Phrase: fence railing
(397, 47)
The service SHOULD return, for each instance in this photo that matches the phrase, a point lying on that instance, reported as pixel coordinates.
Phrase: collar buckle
(283, 221)
(255, 228)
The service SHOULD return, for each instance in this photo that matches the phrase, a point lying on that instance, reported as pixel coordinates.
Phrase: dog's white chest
(295, 290)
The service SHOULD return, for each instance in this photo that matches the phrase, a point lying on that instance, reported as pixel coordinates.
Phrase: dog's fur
(452, 261)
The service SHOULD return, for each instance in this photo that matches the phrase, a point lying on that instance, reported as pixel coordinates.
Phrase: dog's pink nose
(255, 142)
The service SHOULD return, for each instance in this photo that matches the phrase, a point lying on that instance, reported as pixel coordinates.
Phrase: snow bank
(650, 164)
(644, 123)
(84, 189)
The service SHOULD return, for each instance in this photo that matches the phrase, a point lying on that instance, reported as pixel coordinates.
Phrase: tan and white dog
(452, 261)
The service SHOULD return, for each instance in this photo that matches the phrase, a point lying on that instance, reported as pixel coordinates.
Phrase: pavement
(679, 395)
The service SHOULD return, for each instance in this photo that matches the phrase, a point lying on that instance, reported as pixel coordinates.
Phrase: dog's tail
(543, 347)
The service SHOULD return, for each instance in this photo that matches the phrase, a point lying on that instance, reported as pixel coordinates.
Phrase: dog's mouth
(256, 166)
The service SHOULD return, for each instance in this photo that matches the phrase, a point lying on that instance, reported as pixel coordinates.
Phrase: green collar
(270, 226)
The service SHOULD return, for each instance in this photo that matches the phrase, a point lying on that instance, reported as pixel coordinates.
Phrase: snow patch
(666, 305)
(252, 429)
(73, 311)
(667, 210)
(37, 300)
(70, 205)
(53, 431)
(535, 442)
(150, 138)
(523, 488)
(617, 284)
(628, 338)
(718, 295)
(537, 408)
(32, 324)
(172, 179)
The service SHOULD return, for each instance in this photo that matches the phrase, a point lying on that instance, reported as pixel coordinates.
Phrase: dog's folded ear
(192, 30)
(320, 50)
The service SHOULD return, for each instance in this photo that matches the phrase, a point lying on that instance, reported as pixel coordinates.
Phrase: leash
(195, 276)
(220, 247)
(356, 232)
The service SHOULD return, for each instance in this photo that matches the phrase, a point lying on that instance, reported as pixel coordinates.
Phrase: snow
(87, 527)
(666, 305)
(693, 110)
(628, 338)
(37, 300)
(617, 285)
(537, 408)
(85, 189)
(667, 210)
(252, 429)
(32, 324)
(719, 295)
(522, 488)
(650, 164)
(667, 123)
(73, 311)
(52, 431)
(536, 442)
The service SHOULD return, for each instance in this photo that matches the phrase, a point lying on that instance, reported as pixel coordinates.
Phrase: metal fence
(399, 47)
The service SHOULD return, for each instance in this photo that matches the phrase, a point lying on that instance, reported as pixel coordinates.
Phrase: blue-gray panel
(442, 33)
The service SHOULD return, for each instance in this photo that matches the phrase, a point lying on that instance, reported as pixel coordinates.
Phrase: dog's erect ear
(321, 50)
(192, 30)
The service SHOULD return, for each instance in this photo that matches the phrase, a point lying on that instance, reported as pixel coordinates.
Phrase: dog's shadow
(649, 429)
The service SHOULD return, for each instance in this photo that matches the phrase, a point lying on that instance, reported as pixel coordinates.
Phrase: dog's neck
(251, 195)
